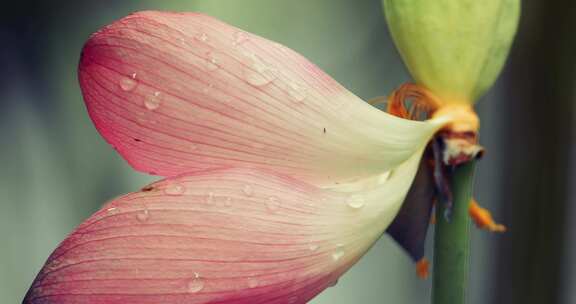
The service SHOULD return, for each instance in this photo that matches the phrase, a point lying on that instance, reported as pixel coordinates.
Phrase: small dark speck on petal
(147, 189)
(324, 130)
(138, 140)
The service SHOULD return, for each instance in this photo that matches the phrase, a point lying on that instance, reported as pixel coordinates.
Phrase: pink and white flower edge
(279, 179)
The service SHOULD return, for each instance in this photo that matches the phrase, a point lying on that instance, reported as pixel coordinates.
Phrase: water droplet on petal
(210, 62)
(384, 177)
(175, 189)
(196, 284)
(143, 215)
(128, 83)
(253, 283)
(239, 38)
(259, 74)
(313, 247)
(254, 78)
(273, 203)
(210, 198)
(207, 88)
(228, 202)
(356, 201)
(112, 210)
(248, 190)
(297, 92)
(152, 102)
(338, 253)
(202, 37)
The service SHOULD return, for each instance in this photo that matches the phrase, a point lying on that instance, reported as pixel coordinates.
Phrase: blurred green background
(55, 170)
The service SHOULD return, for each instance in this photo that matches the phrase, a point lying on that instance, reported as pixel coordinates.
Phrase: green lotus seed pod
(455, 48)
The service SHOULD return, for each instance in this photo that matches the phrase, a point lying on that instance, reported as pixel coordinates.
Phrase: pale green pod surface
(455, 48)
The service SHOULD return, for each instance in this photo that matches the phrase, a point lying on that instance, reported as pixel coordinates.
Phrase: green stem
(452, 241)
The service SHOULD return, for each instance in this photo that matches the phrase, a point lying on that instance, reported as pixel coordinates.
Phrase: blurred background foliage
(55, 170)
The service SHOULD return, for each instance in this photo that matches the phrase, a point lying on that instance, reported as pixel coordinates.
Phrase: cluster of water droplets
(151, 102)
(256, 72)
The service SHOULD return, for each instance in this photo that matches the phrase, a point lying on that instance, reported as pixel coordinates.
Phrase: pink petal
(184, 92)
(225, 236)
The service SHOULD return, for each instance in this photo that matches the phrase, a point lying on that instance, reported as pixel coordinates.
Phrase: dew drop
(175, 189)
(313, 247)
(254, 78)
(196, 284)
(202, 37)
(258, 74)
(338, 253)
(248, 190)
(128, 83)
(273, 204)
(253, 283)
(239, 38)
(384, 177)
(152, 102)
(112, 210)
(143, 215)
(210, 62)
(207, 88)
(356, 201)
(210, 198)
(333, 283)
(228, 202)
(296, 92)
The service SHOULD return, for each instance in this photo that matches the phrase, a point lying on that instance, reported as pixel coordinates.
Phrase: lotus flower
(278, 179)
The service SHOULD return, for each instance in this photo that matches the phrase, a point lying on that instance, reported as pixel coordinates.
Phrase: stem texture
(452, 241)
